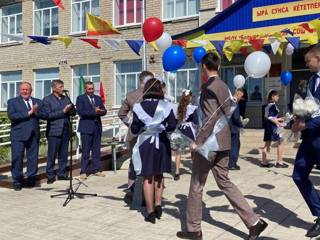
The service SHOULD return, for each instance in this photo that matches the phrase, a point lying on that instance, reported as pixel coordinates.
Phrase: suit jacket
(132, 98)
(311, 86)
(88, 116)
(22, 125)
(213, 94)
(56, 118)
(235, 123)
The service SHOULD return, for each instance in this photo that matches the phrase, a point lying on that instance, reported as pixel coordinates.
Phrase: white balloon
(164, 41)
(239, 81)
(257, 64)
(172, 76)
(289, 49)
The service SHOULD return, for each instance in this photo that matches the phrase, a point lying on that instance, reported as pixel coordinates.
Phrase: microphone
(65, 91)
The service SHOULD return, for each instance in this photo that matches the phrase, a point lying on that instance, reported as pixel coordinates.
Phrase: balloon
(198, 54)
(164, 41)
(257, 64)
(173, 58)
(172, 76)
(286, 77)
(239, 81)
(152, 29)
(289, 49)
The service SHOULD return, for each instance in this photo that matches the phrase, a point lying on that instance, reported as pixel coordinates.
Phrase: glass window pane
(85, 9)
(11, 76)
(130, 11)
(54, 21)
(182, 83)
(80, 70)
(48, 73)
(138, 11)
(37, 23)
(4, 29)
(4, 95)
(255, 89)
(94, 69)
(168, 11)
(19, 24)
(193, 7)
(38, 90)
(12, 9)
(46, 88)
(75, 17)
(119, 12)
(194, 83)
(131, 82)
(181, 8)
(120, 90)
(227, 75)
(129, 67)
(39, 4)
(46, 22)
(95, 7)
(12, 90)
(12, 25)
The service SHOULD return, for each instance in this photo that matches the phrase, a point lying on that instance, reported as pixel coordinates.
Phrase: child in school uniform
(152, 119)
(271, 131)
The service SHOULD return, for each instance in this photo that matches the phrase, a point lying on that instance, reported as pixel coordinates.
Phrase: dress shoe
(83, 176)
(236, 167)
(158, 211)
(268, 165)
(151, 218)
(63, 178)
(51, 180)
(176, 177)
(315, 229)
(128, 198)
(17, 187)
(190, 235)
(99, 174)
(255, 230)
(283, 165)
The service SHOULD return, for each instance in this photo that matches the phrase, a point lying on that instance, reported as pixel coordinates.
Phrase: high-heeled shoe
(151, 218)
(158, 211)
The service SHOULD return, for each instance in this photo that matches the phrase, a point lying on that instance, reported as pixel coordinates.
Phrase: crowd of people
(210, 129)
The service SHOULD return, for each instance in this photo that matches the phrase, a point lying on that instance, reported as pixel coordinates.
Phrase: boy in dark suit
(90, 109)
(24, 113)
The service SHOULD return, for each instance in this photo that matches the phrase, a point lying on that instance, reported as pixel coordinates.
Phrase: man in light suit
(24, 112)
(124, 113)
(58, 109)
(215, 103)
(308, 153)
(90, 109)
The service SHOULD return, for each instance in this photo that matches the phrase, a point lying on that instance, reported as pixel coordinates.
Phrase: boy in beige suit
(215, 102)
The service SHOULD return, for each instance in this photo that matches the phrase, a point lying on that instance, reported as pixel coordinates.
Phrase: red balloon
(152, 29)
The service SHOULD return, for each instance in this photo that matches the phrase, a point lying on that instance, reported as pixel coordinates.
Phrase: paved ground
(32, 214)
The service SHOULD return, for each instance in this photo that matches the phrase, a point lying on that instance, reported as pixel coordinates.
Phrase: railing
(110, 122)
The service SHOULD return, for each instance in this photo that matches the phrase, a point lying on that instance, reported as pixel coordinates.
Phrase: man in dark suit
(58, 108)
(215, 104)
(308, 153)
(24, 112)
(90, 109)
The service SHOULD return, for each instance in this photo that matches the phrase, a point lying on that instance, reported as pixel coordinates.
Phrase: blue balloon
(173, 58)
(286, 77)
(198, 54)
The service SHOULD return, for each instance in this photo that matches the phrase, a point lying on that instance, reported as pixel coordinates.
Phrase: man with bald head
(24, 113)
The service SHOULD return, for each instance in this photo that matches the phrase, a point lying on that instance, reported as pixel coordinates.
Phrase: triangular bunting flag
(135, 45)
(281, 48)
(267, 48)
(113, 43)
(182, 43)
(235, 45)
(275, 44)
(15, 37)
(295, 41)
(218, 45)
(288, 31)
(92, 42)
(312, 40)
(256, 44)
(228, 53)
(306, 27)
(316, 24)
(154, 46)
(203, 43)
(244, 51)
(101, 93)
(41, 39)
(58, 3)
(98, 26)
(277, 35)
(65, 39)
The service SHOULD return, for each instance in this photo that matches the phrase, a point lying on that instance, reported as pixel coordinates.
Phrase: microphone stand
(70, 192)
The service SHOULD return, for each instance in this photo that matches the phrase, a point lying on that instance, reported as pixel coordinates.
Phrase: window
(11, 21)
(45, 18)
(90, 72)
(179, 8)
(10, 82)
(43, 81)
(253, 86)
(188, 77)
(126, 78)
(79, 11)
(127, 12)
(223, 4)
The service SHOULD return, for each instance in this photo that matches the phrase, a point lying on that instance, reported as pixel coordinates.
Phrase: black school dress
(271, 130)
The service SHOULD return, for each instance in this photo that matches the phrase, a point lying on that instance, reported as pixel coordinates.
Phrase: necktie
(317, 82)
(28, 104)
(92, 102)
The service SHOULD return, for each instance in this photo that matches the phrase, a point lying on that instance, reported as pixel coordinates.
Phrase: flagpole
(144, 64)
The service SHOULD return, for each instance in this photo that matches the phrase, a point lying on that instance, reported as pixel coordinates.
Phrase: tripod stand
(70, 192)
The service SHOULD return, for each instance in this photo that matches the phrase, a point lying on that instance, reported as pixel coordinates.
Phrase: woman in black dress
(152, 119)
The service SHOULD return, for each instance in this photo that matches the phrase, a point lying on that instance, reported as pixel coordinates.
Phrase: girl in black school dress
(271, 131)
(155, 151)
(187, 121)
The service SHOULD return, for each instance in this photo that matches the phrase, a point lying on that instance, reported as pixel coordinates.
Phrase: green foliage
(4, 155)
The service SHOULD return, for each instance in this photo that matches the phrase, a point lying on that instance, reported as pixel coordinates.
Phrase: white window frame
(15, 22)
(115, 74)
(174, 12)
(16, 85)
(90, 11)
(42, 82)
(86, 77)
(41, 25)
(219, 5)
(135, 23)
